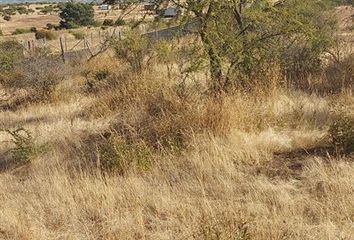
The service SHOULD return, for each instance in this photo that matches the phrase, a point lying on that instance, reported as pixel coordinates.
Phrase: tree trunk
(216, 84)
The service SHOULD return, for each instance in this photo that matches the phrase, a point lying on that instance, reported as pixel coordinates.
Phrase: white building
(105, 7)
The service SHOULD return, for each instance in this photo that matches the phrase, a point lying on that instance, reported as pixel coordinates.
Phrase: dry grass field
(24, 21)
(40, 20)
(94, 35)
(272, 176)
(115, 154)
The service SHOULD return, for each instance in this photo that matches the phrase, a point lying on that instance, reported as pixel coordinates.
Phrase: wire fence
(92, 42)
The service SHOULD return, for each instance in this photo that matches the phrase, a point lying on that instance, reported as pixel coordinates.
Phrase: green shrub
(50, 26)
(79, 14)
(44, 34)
(20, 31)
(47, 9)
(38, 76)
(25, 149)
(68, 25)
(342, 133)
(10, 11)
(108, 22)
(22, 10)
(120, 22)
(119, 156)
(95, 80)
(97, 24)
(223, 227)
(10, 53)
(7, 17)
(338, 75)
(132, 49)
(78, 35)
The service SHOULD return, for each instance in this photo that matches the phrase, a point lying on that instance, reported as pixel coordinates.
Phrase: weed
(342, 133)
(78, 35)
(25, 149)
(118, 155)
(45, 34)
(222, 229)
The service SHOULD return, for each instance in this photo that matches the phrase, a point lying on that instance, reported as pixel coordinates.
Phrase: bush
(50, 26)
(7, 17)
(120, 22)
(47, 9)
(132, 49)
(10, 53)
(44, 34)
(33, 29)
(342, 133)
(68, 25)
(97, 24)
(10, 11)
(119, 156)
(21, 31)
(25, 150)
(78, 35)
(37, 76)
(108, 22)
(163, 112)
(79, 14)
(95, 80)
(339, 74)
(22, 10)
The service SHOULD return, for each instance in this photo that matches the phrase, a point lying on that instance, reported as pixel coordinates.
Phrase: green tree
(133, 49)
(10, 52)
(241, 36)
(76, 14)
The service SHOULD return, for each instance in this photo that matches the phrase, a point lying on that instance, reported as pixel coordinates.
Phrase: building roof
(170, 12)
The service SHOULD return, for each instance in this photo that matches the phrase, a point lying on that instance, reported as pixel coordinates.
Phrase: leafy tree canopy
(79, 14)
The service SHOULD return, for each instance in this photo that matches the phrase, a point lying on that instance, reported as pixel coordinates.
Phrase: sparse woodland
(242, 130)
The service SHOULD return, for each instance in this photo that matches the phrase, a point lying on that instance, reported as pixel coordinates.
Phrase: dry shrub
(37, 76)
(169, 120)
(119, 156)
(340, 74)
(162, 115)
(10, 53)
(45, 34)
(24, 149)
(96, 80)
(342, 132)
(222, 228)
(133, 49)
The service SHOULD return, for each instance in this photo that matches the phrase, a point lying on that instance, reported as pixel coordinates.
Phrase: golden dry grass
(270, 176)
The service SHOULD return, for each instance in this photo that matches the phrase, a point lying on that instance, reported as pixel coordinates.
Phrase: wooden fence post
(62, 49)
(29, 47)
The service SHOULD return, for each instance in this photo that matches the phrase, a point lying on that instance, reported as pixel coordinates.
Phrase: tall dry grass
(137, 156)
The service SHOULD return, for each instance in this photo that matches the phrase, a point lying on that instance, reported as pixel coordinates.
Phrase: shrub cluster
(342, 132)
(38, 76)
(45, 34)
